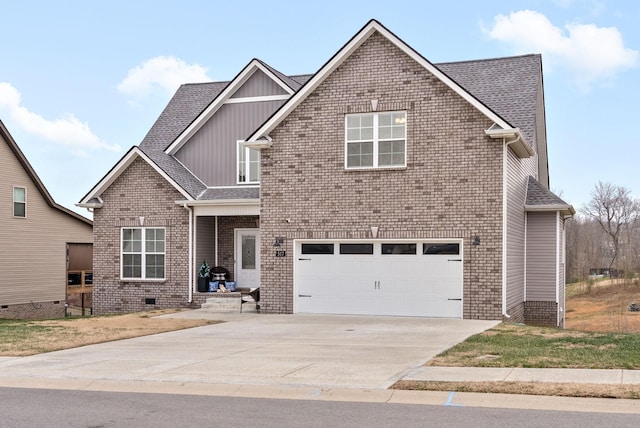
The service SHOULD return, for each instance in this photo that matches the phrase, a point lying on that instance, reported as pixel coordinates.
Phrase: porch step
(227, 302)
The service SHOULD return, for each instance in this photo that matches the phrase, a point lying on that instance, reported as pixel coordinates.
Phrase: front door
(247, 243)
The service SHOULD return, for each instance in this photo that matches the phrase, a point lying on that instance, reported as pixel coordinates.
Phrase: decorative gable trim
(224, 97)
(90, 199)
(352, 45)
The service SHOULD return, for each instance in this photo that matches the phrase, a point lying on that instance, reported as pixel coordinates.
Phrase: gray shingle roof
(538, 195)
(508, 86)
(230, 193)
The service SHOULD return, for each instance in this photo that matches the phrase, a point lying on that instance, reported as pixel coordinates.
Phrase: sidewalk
(483, 374)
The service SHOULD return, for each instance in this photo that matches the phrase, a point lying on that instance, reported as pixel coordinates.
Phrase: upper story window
(143, 253)
(19, 202)
(248, 164)
(375, 140)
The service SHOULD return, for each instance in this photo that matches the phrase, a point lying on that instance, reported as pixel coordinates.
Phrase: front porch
(229, 244)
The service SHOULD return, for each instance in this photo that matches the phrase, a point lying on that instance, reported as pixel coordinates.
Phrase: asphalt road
(61, 408)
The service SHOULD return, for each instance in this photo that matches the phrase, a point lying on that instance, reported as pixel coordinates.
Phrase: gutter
(512, 137)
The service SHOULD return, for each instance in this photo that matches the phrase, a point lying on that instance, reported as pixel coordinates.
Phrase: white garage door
(417, 278)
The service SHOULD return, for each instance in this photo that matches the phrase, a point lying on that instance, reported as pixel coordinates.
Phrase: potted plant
(203, 278)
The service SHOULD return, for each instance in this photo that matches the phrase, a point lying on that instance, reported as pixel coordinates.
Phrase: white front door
(247, 243)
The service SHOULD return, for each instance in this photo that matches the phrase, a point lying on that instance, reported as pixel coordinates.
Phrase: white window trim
(375, 142)
(13, 205)
(247, 163)
(143, 253)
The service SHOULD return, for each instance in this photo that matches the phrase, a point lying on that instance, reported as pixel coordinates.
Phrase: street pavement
(301, 356)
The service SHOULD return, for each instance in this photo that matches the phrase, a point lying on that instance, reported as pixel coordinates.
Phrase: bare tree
(615, 211)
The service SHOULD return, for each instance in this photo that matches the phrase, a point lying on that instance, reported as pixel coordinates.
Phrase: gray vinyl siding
(542, 256)
(205, 238)
(259, 84)
(211, 154)
(33, 249)
(518, 171)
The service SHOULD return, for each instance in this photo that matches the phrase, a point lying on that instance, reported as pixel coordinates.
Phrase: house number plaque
(281, 253)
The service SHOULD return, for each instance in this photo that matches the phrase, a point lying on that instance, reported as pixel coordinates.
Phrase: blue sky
(83, 81)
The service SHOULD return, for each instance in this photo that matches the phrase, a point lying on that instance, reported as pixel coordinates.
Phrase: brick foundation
(541, 313)
(34, 310)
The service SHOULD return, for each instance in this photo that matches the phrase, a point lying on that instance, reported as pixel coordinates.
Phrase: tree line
(604, 235)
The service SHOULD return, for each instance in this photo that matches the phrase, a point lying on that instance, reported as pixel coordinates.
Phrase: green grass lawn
(514, 345)
(24, 337)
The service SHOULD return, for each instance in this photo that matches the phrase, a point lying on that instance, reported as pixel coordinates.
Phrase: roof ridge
(499, 58)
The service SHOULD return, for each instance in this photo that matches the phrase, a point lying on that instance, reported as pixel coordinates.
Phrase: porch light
(278, 242)
(476, 240)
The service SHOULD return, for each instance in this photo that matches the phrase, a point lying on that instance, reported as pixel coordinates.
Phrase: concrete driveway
(322, 351)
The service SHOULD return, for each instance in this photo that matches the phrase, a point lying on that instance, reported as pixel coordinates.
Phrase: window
(375, 140)
(317, 248)
(143, 253)
(398, 248)
(19, 202)
(441, 249)
(248, 164)
(356, 248)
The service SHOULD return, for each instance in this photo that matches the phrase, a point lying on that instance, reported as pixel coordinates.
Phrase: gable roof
(508, 86)
(190, 106)
(540, 199)
(92, 198)
(255, 65)
(351, 46)
(504, 89)
(6, 136)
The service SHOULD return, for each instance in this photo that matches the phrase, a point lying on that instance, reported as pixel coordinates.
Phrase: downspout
(190, 252)
(505, 183)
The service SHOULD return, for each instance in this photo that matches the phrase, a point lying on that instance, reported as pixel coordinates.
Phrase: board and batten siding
(542, 273)
(258, 85)
(211, 154)
(33, 249)
(518, 171)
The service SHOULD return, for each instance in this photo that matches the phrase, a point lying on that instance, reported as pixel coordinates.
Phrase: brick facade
(451, 187)
(140, 192)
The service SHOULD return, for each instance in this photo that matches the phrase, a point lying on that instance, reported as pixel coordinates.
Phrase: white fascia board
(261, 143)
(236, 202)
(119, 168)
(566, 210)
(513, 137)
(221, 99)
(353, 44)
(258, 99)
(223, 207)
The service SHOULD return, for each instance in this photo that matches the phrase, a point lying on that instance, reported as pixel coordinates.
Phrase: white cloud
(67, 130)
(164, 72)
(592, 54)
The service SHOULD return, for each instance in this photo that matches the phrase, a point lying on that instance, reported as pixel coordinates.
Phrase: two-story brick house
(381, 184)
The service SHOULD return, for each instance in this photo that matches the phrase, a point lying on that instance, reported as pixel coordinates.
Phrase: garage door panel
(379, 284)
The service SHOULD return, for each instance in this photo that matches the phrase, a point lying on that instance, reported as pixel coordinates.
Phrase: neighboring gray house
(36, 239)
(381, 184)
